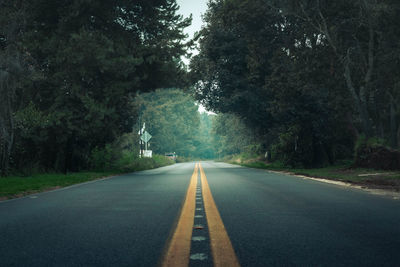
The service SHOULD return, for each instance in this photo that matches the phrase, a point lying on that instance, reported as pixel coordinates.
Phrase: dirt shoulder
(343, 174)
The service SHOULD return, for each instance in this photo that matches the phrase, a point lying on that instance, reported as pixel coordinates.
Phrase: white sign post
(146, 138)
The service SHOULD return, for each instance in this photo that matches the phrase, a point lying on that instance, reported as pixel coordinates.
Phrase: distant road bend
(201, 214)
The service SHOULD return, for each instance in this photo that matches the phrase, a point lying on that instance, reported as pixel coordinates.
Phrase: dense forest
(311, 79)
(310, 82)
(69, 71)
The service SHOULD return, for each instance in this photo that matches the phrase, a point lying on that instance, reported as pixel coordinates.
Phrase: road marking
(221, 246)
(178, 251)
(198, 256)
(198, 238)
(198, 226)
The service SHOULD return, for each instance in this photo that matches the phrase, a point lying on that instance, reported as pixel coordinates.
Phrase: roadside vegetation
(69, 72)
(20, 185)
(343, 171)
(293, 85)
(309, 82)
(172, 117)
(304, 86)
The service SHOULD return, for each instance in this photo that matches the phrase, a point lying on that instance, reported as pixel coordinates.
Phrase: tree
(91, 57)
(13, 69)
(231, 136)
(234, 59)
(172, 118)
(205, 147)
(358, 33)
(277, 71)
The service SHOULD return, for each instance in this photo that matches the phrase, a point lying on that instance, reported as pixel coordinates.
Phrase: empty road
(201, 214)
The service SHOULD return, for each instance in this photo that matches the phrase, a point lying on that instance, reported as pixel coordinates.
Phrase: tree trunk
(398, 136)
(6, 144)
(359, 99)
(393, 125)
(6, 122)
(351, 127)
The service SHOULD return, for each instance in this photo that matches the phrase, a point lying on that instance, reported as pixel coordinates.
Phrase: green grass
(16, 186)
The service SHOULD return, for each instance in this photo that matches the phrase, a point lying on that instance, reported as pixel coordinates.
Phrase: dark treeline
(69, 71)
(309, 81)
(308, 78)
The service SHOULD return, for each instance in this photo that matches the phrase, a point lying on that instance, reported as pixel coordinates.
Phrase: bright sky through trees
(197, 8)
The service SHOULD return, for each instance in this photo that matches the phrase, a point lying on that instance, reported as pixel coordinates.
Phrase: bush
(371, 153)
(294, 149)
(112, 158)
(180, 159)
(104, 159)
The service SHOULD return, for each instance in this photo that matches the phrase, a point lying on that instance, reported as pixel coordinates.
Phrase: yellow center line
(221, 246)
(178, 251)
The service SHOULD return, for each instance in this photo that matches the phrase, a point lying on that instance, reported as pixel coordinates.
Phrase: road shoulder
(358, 179)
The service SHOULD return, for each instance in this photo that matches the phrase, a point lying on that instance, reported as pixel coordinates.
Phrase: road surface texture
(209, 214)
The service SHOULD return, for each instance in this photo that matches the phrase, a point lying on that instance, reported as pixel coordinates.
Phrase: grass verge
(344, 172)
(18, 186)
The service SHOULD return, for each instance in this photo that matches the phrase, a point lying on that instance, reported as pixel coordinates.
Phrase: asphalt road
(271, 219)
(122, 221)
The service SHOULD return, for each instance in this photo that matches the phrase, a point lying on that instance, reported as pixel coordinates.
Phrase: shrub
(103, 159)
(371, 153)
(181, 159)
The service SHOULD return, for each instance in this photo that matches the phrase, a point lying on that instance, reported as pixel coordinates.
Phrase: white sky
(197, 8)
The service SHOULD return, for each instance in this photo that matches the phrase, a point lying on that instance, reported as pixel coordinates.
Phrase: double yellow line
(178, 250)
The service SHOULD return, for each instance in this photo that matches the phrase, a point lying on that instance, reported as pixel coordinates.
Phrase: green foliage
(104, 158)
(363, 143)
(86, 61)
(16, 186)
(140, 164)
(122, 155)
(30, 119)
(172, 118)
(231, 136)
(113, 159)
(205, 148)
(373, 153)
(371, 142)
(304, 76)
(182, 159)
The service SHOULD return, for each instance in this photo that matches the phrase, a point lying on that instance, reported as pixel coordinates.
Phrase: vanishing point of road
(201, 214)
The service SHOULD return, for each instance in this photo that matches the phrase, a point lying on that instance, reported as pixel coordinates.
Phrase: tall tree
(278, 74)
(358, 38)
(13, 69)
(92, 57)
